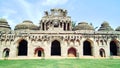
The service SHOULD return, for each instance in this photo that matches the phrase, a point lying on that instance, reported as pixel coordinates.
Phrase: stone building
(56, 36)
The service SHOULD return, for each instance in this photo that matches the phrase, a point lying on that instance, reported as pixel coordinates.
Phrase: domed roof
(84, 26)
(3, 20)
(26, 25)
(105, 27)
(4, 26)
(117, 29)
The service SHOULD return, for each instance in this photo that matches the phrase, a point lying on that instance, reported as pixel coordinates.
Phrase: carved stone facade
(55, 36)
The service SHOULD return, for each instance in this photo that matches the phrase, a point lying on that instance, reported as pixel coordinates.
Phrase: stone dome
(4, 26)
(83, 26)
(117, 29)
(105, 27)
(26, 25)
(3, 20)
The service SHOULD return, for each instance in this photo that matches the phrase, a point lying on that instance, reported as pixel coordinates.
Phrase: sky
(90, 11)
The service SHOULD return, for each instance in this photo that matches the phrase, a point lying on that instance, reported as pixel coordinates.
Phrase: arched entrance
(71, 52)
(6, 52)
(113, 48)
(55, 48)
(87, 48)
(39, 52)
(22, 48)
(102, 52)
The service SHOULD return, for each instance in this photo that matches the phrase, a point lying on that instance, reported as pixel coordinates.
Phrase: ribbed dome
(105, 27)
(26, 25)
(3, 20)
(4, 25)
(117, 29)
(84, 26)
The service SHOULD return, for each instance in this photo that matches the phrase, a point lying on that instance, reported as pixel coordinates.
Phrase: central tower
(56, 19)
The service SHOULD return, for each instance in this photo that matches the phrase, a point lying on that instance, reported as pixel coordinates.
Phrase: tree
(73, 24)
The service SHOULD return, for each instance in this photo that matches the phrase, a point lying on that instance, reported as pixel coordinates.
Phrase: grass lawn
(61, 63)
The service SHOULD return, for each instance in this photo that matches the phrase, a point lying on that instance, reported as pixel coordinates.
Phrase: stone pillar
(63, 50)
(95, 50)
(13, 51)
(45, 26)
(66, 26)
(48, 49)
(0, 52)
(118, 50)
(0, 49)
(30, 46)
(81, 49)
(107, 51)
(70, 26)
(41, 26)
(63, 25)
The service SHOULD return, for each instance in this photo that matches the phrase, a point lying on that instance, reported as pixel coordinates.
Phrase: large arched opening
(22, 48)
(39, 52)
(102, 52)
(6, 52)
(87, 48)
(113, 48)
(55, 48)
(71, 52)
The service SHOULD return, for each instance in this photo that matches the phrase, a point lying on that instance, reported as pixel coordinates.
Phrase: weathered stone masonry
(55, 36)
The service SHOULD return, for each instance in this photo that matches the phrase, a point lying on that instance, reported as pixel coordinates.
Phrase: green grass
(61, 63)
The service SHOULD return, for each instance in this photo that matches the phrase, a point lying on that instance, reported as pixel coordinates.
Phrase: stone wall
(68, 40)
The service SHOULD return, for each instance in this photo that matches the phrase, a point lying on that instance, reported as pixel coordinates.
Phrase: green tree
(73, 24)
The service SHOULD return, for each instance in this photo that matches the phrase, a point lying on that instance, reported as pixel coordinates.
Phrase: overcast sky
(90, 11)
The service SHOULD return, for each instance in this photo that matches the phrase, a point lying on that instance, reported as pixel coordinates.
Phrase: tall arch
(71, 52)
(6, 52)
(87, 48)
(102, 52)
(39, 52)
(55, 48)
(68, 26)
(22, 48)
(113, 48)
(43, 26)
(64, 26)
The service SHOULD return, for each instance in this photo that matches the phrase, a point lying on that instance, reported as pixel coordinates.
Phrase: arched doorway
(6, 52)
(39, 52)
(87, 48)
(22, 48)
(71, 52)
(113, 48)
(55, 48)
(102, 52)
